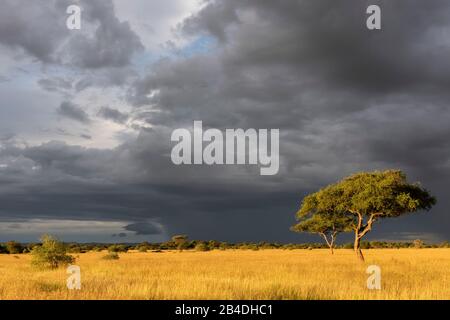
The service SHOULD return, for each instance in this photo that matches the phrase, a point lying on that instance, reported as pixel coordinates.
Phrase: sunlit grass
(235, 274)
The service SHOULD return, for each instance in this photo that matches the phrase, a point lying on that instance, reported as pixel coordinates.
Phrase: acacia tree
(327, 226)
(366, 197)
(180, 240)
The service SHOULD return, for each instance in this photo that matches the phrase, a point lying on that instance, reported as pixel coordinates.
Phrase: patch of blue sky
(201, 44)
(144, 60)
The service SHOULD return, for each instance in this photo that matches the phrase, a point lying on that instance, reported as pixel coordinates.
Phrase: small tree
(201, 246)
(50, 254)
(418, 244)
(180, 241)
(111, 256)
(367, 197)
(143, 247)
(117, 248)
(328, 227)
(14, 247)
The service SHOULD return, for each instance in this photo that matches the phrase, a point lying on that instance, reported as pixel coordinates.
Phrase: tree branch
(368, 226)
(326, 239)
(333, 237)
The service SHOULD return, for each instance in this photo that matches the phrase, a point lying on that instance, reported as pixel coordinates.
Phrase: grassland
(235, 274)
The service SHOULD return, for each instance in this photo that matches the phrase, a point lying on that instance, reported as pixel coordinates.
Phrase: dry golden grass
(265, 274)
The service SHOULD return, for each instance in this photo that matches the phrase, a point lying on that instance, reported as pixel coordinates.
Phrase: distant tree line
(13, 247)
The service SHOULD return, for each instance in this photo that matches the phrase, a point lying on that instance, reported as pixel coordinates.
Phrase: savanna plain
(235, 274)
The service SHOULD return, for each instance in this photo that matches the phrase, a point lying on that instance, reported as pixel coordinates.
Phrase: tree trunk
(333, 239)
(357, 247)
(330, 243)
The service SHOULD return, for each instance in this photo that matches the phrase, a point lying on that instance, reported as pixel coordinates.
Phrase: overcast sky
(86, 115)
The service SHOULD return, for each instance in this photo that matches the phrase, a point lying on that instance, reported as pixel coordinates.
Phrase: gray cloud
(4, 79)
(55, 84)
(113, 115)
(120, 235)
(113, 43)
(39, 29)
(73, 112)
(35, 28)
(86, 136)
(143, 228)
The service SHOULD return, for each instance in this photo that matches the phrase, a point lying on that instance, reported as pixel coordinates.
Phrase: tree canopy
(327, 226)
(363, 198)
(51, 253)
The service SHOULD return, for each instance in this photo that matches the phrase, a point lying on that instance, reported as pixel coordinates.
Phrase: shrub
(111, 256)
(224, 246)
(249, 247)
(142, 249)
(75, 249)
(444, 244)
(418, 244)
(117, 248)
(14, 247)
(348, 246)
(365, 245)
(213, 244)
(3, 249)
(51, 254)
(201, 246)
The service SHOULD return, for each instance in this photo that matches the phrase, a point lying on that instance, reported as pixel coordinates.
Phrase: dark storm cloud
(135, 181)
(344, 98)
(337, 45)
(279, 55)
(73, 112)
(143, 228)
(120, 235)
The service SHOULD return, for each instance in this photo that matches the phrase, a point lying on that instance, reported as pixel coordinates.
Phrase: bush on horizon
(50, 254)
